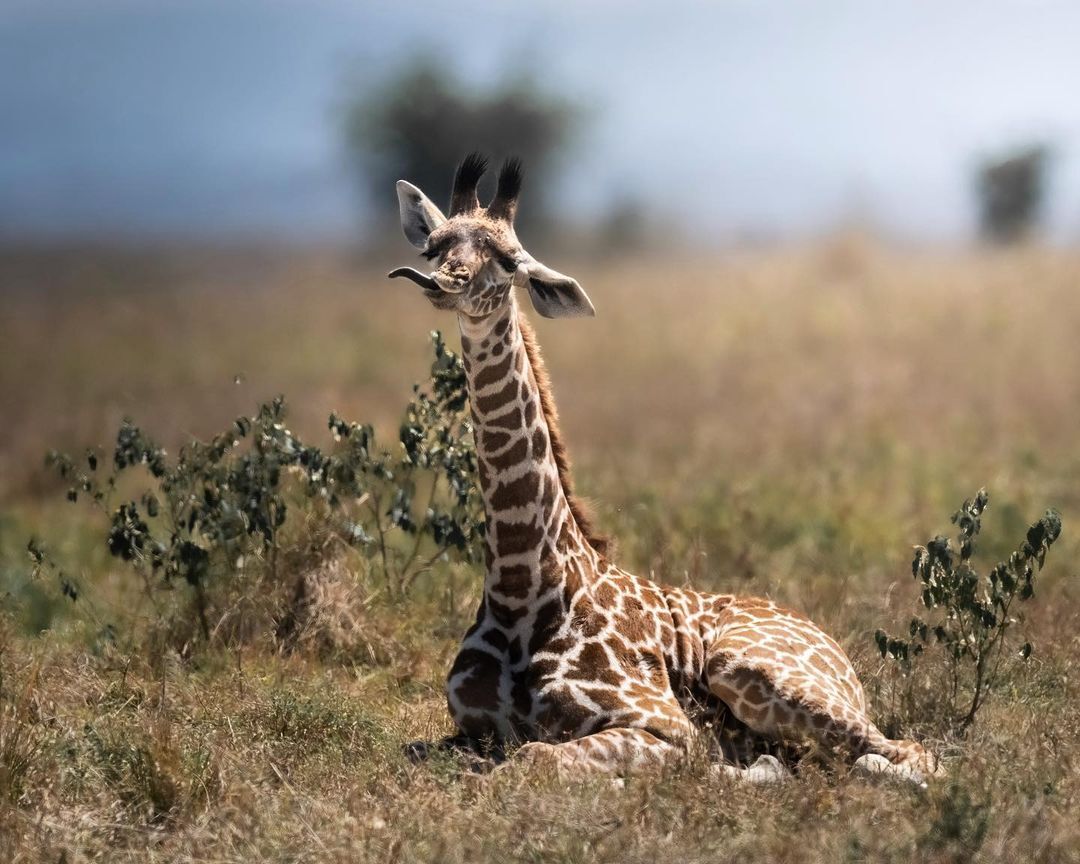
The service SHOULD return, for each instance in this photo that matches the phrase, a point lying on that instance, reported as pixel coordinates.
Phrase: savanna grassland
(784, 422)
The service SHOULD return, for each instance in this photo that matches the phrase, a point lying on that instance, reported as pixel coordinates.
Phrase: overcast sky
(220, 117)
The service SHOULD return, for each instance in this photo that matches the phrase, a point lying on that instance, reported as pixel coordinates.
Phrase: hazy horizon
(222, 119)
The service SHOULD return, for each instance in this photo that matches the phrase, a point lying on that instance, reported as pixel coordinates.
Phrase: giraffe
(592, 667)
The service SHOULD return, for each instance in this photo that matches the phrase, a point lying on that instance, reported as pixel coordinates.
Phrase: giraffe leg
(479, 755)
(777, 698)
(609, 751)
(874, 766)
(765, 771)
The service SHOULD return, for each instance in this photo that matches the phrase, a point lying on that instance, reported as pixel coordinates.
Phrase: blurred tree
(1011, 191)
(420, 123)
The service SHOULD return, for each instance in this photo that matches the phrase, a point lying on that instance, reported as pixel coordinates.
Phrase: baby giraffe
(593, 667)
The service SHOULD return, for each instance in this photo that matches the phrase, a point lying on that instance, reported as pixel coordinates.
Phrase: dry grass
(784, 422)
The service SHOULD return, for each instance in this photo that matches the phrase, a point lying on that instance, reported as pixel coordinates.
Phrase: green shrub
(970, 616)
(219, 516)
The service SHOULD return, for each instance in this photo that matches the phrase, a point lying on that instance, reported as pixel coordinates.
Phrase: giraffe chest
(564, 674)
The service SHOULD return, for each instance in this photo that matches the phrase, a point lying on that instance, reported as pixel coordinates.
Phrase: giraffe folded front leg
(613, 751)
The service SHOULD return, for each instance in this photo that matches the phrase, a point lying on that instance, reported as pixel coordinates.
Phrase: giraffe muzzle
(452, 281)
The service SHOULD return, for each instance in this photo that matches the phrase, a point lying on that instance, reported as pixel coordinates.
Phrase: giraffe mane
(581, 512)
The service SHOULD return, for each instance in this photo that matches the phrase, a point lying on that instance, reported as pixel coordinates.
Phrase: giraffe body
(590, 665)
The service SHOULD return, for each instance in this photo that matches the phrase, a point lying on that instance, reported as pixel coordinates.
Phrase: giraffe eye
(434, 251)
(507, 262)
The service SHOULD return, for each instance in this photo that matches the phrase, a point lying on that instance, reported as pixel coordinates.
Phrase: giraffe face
(477, 256)
(476, 260)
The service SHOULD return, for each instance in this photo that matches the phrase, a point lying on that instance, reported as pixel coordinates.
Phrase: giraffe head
(477, 255)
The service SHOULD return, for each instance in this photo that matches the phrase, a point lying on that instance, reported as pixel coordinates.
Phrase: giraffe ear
(553, 294)
(419, 217)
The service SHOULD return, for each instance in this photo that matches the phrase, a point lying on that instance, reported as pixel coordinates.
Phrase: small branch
(424, 568)
(375, 506)
(407, 580)
(201, 607)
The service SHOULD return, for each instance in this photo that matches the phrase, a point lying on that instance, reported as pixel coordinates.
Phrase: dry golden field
(785, 422)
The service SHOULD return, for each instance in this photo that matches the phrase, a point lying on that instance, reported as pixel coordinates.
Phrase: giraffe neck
(532, 530)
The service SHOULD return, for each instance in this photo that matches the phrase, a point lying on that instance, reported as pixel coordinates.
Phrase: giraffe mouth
(424, 281)
(436, 282)
(451, 283)
(433, 290)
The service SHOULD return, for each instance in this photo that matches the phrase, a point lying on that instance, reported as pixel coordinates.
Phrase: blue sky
(221, 117)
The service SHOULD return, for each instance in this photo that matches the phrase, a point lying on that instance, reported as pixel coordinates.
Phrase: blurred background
(832, 245)
(228, 120)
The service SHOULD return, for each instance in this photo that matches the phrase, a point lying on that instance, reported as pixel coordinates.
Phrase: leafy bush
(971, 616)
(224, 511)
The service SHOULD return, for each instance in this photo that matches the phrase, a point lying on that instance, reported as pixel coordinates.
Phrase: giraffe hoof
(766, 771)
(418, 751)
(874, 766)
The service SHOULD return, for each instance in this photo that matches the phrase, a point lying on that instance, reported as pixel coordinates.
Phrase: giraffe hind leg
(797, 708)
(875, 766)
(765, 771)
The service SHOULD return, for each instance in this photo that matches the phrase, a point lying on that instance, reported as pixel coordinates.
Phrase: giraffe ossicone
(591, 667)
